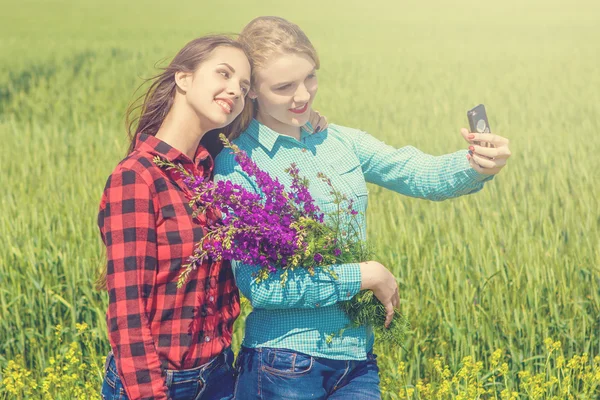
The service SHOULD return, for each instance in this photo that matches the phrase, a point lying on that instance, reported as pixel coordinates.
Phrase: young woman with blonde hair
(289, 351)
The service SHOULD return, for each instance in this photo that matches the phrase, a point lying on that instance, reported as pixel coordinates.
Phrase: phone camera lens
(481, 126)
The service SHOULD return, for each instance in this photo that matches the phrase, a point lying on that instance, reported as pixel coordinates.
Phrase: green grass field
(505, 269)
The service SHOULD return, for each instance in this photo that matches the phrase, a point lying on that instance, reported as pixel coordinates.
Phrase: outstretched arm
(409, 171)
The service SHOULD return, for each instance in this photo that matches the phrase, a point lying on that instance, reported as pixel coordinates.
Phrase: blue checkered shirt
(304, 316)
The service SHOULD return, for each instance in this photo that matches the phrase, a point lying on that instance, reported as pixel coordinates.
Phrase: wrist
(370, 276)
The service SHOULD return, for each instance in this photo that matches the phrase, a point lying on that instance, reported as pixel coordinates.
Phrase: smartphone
(478, 122)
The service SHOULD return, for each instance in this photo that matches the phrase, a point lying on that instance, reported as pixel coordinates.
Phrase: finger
(315, 119)
(389, 314)
(484, 162)
(488, 163)
(471, 138)
(397, 299)
(322, 124)
(491, 138)
(491, 152)
(481, 170)
(466, 135)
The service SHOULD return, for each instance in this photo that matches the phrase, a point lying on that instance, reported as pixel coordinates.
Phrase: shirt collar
(267, 137)
(154, 146)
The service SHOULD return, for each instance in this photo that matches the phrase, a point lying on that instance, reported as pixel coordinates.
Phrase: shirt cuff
(348, 281)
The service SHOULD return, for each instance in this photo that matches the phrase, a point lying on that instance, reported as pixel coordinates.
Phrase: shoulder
(137, 168)
(344, 133)
(344, 130)
(343, 136)
(225, 162)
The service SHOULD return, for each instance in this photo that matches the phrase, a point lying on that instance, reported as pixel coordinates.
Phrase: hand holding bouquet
(282, 230)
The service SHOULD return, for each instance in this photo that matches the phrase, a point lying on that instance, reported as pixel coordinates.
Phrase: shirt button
(317, 304)
(206, 339)
(348, 294)
(304, 150)
(211, 298)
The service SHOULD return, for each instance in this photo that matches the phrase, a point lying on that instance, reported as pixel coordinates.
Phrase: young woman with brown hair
(168, 342)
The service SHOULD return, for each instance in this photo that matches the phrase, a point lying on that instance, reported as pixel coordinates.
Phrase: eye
(245, 90)
(313, 75)
(284, 87)
(224, 73)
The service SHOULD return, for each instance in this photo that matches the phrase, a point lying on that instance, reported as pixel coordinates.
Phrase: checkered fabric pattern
(147, 227)
(303, 316)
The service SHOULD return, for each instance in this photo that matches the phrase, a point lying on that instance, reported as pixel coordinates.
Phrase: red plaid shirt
(148, 229)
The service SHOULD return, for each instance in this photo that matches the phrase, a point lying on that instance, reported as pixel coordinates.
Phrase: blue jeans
(211, 381)
(267, 373)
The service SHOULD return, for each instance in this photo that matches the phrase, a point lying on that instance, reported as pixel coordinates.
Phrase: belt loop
(226, 356)
(169, 379)
(109, 356)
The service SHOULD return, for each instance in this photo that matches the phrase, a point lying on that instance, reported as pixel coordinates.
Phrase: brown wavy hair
(156, 102)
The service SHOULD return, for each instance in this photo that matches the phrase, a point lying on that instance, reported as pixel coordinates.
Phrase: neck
(278, 126)
(182, 129)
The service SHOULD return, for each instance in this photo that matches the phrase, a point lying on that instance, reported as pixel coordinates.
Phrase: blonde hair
(263, 38)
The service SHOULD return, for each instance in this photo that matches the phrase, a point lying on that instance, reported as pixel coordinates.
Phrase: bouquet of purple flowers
(281, 230)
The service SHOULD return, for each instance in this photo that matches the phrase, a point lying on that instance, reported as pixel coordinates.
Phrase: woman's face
(216, 91)
(285, 89)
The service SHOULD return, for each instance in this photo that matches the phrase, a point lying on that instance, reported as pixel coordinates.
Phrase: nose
(302, 95)
(234, 90)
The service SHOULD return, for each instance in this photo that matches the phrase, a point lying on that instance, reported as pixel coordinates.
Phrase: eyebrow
(290, 82)
(246, 81)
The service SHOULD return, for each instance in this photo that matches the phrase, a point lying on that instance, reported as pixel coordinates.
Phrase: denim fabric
(211, 381)
(268, 373)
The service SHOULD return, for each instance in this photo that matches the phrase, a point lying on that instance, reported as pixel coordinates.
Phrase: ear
(183, 80)
(252, 94)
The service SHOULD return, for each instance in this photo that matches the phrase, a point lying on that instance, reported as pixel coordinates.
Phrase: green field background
(505, 268)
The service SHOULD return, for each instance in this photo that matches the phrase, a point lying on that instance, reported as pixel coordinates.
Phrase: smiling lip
(225, 104)
(299, 110)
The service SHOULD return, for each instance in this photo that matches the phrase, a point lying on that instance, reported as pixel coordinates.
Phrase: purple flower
(252, 228)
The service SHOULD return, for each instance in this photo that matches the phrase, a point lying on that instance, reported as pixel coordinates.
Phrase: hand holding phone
(487, 155)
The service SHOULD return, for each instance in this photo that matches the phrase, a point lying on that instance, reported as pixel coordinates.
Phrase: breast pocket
(351, 181)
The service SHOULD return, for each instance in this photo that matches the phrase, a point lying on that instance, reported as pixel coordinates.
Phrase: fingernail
(469, 156)
(318, 128)
(471, 136)
(472, 148)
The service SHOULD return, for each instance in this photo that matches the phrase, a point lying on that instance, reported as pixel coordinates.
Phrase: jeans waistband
(226, 356)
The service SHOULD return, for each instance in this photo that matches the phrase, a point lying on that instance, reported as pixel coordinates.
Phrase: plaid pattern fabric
(147, 227)
(303, 316)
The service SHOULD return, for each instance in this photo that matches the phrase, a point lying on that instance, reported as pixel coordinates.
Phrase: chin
(299, 121)
(218, 122)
